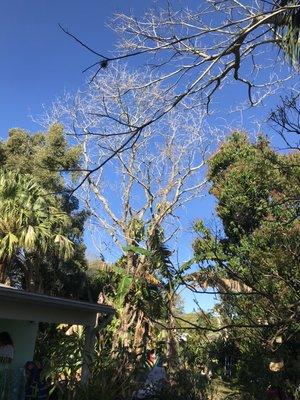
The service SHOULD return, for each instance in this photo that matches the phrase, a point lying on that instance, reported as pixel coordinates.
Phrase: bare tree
(140, 191)
(193, 54)
(205, 48)
(148, 180)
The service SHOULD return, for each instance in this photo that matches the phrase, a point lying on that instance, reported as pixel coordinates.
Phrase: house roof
(21, 305)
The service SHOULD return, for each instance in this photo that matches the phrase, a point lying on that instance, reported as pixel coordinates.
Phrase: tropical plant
(31, 226)
(287, 30)
(51, 159)
(60, 351)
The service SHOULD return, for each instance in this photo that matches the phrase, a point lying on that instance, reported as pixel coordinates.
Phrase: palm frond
(30, 219)
(287, 29)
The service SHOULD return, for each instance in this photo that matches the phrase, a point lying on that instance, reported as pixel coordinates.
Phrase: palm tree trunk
(3, 272)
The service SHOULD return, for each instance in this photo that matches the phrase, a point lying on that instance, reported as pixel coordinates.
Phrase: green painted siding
(23, 334)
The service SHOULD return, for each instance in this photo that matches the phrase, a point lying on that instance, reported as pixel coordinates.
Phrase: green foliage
(288, 27)
(61, 356)
(31, 225)
(137, 250)
(247, 181)
(160, 254)
(45, 158)
(42, 155)
(136, 230)
(258, 204)
(123, 289)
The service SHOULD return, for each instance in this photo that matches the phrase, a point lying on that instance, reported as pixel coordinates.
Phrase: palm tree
(31, 226)
(287, 28)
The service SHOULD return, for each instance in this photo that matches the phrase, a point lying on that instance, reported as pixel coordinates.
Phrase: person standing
(6, 348)
(6, 358)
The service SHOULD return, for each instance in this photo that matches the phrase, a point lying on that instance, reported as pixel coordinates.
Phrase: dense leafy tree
(44, 155)
(257, 250)
(49, 161)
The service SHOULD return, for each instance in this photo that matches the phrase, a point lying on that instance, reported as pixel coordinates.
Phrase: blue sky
(39, 62)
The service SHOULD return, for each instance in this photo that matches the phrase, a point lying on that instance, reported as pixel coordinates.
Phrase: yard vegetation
(118, 165)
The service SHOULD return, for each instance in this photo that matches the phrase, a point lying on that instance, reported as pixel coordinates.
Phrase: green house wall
(23, 334)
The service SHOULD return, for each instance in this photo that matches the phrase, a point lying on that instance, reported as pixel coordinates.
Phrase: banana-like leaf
(186, 265)
(123, 289)
(137, 250)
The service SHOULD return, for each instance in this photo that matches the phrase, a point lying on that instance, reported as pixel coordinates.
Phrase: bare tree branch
(191, 56)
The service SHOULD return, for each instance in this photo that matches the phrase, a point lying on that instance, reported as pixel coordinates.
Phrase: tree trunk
(121, 334)
(87, 354)
(3, 274)
(141, 336)
(172, 350)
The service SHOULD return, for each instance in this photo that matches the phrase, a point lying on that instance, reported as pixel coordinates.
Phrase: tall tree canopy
(36, 168)
(256, 253)
(43, 155)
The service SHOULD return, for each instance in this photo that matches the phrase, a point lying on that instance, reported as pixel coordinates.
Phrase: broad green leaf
(137, 250)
